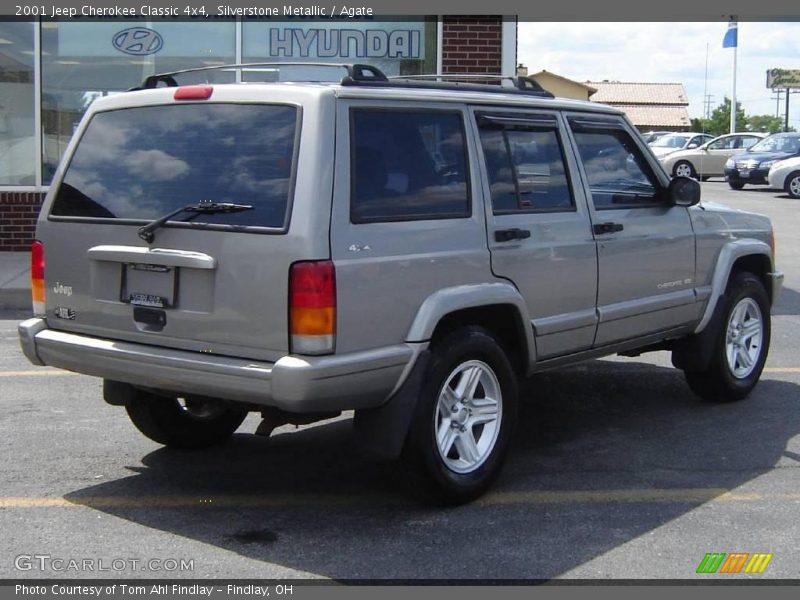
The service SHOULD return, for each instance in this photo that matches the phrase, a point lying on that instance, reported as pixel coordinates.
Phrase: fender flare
(728, 255)
(452, 299)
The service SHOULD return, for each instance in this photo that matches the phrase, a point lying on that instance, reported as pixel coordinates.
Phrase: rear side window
(142, 163)
(526, 171)
(407, 165)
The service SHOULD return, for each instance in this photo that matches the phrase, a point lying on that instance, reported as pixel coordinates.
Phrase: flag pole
(734, 41)
(733, 92)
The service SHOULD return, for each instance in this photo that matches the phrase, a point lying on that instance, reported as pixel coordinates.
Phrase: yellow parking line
(36, 373)
(690, 495)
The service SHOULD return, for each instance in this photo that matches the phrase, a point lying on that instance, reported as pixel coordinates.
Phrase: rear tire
(736, 185)
(195, 422)
(792, 184)
(683, 168)
(464, 418)
(741, 346)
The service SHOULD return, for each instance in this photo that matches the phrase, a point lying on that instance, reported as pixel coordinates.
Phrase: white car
(785, 175)
(678, 141)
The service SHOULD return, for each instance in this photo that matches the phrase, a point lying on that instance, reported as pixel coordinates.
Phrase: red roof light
(194, 92)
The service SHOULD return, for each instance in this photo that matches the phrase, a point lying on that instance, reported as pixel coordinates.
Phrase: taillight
(194, 92)
(312, 307)
(37, 277)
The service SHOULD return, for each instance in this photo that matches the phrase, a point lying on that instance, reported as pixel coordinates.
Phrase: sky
(669, 52)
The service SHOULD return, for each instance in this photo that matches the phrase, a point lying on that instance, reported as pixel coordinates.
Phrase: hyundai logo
(138, 41)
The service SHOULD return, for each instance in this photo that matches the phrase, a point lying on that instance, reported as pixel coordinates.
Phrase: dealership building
(50, 71)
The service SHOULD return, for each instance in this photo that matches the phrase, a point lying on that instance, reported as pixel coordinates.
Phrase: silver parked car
(673, 142)
(406, 249)
(709, 159)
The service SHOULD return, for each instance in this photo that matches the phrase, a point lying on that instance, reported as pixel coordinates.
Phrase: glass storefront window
(84, 60)
(397, 48)
(17, 123)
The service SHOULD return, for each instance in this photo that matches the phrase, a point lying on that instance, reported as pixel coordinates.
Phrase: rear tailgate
(207, 282)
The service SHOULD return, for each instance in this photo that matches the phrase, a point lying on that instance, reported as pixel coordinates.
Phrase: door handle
(506, 235)
(601, 228)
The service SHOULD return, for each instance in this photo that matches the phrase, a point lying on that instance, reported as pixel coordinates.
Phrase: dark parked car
(753, 165)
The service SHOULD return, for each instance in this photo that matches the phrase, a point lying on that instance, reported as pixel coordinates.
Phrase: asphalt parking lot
(618, 471)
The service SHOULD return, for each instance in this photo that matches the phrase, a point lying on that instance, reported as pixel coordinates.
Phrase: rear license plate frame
(149, 285)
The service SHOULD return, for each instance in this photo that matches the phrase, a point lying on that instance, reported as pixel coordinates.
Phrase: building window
(396, 48)
(17, 124)
(82, 61)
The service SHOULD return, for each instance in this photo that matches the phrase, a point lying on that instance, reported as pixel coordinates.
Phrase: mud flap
(381, 432)
(117, 393)
(694, 352)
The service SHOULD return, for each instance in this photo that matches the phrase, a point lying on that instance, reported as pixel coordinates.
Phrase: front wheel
(741, 344)
(736, 185)
(464, 418)
(189, 423)
(684, 169)
(792, 185)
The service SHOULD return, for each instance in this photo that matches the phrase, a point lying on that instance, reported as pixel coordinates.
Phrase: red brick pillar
(18, 214)
(472, 44)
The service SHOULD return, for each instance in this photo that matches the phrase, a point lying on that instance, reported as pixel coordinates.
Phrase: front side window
(142, 163)
(616, 171)
(407, 165)
(526, 170)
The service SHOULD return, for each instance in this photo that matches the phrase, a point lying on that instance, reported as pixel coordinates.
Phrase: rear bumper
(293, 383)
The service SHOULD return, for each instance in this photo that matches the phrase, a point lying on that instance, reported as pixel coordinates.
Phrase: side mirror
(692, 146)
(683, 191)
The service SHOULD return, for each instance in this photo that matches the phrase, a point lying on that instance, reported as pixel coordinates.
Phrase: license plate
(149, 285)
(744, 172)
(147, 300)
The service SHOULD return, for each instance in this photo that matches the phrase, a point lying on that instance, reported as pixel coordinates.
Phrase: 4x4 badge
(359, 248)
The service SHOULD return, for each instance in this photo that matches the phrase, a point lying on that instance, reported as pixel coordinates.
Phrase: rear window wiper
(206, 207)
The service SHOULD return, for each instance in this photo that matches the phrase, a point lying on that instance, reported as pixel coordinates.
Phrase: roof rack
(355, 72)
(463, 82)
(526, 84)
(369, 76)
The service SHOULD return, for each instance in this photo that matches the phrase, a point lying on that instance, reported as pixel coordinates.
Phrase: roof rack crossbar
(356, 73)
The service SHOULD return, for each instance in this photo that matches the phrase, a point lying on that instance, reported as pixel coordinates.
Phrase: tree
(765, 124)
(720, 121)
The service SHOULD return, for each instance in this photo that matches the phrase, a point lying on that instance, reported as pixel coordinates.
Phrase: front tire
(684, 168)
(464, 418)
(792, 184)
(741, 344)
(736, 185)
(189, 423)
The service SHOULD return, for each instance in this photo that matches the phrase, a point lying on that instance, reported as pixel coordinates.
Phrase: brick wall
(472, 44)
(18, 214)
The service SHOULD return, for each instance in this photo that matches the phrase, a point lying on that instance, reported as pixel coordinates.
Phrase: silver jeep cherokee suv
(407, 249)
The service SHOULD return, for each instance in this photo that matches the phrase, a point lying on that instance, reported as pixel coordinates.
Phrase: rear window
(142, 163)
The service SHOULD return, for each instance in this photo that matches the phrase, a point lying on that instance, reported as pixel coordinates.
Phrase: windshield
(142, 163)
(670, 141)
(777, 143)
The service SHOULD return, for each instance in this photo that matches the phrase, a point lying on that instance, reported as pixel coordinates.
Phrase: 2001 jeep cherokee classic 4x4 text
(405, 249)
